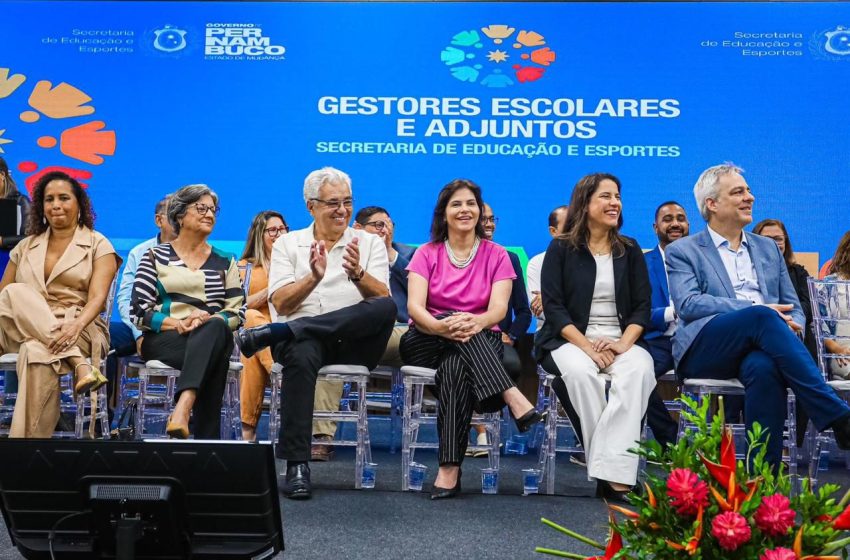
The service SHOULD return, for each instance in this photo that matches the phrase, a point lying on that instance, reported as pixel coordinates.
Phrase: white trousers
(610, 427)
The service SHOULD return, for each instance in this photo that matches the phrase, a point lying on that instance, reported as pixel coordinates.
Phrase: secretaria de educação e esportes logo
(831, 44)
(497, 56)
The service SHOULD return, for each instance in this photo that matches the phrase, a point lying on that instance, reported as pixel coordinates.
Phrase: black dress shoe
(605, 491)
(841, 430)
(438, 493)
(250, 341)
(296, 485)
(529, 419)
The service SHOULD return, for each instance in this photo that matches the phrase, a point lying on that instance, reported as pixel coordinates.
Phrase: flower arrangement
(707, 505)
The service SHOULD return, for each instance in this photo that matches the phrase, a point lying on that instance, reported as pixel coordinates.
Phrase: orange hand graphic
(60, 102)
(8, 84)
(530, 39)
(86, 141)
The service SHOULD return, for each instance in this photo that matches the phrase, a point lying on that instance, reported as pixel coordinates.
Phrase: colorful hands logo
(86, 142)
(502, 61)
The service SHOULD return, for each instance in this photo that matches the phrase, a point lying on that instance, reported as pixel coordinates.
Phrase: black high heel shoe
(605, 491)
(438, 493)
(529, 419)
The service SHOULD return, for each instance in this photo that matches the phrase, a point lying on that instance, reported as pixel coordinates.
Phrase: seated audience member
(596, 295)
(840, 270)
(187, 300)
(775, 230)
(671, 223)
(738, 314)
(267, 226)
(9, 190)
(124, 337)
(557, 219)
(51, 296)
(328, 284)
(458, 291)
(376, 220)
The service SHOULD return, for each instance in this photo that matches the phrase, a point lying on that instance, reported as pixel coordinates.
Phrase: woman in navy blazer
(596, 296)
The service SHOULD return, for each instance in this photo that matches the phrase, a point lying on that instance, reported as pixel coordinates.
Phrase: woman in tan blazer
(51, 295)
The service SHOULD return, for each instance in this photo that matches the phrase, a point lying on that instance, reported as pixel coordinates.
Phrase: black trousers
(470, 376)
(356, 334)
(512, 362)
(203, 358)
(658, 417)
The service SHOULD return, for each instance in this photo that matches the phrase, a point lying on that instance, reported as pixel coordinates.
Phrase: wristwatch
(359, 277)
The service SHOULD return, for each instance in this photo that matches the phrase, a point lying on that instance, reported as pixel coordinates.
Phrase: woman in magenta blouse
(458, 291)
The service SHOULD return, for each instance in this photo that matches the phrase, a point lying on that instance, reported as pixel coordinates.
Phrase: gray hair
(706, 186)
(320, 177)
(179, 203)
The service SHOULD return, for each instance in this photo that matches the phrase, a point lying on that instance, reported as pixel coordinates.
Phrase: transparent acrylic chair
(352, 410)
(831, 322)
(415, 415)
(552, 433)
(157, 386)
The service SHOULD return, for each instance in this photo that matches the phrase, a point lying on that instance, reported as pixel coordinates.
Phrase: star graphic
(3, 141)
(497, 56)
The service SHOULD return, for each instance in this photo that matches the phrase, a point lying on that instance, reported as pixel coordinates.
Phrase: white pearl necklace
(466, 262)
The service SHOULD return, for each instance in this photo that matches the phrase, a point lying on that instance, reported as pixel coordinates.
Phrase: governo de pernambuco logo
(498, 56)
(64, 107)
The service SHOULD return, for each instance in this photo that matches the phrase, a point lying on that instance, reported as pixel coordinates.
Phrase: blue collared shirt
(739, 267)
(128, 277)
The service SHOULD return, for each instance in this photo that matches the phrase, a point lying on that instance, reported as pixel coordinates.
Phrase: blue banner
(139, 99)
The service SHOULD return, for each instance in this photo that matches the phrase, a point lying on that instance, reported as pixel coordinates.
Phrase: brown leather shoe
(321, 452)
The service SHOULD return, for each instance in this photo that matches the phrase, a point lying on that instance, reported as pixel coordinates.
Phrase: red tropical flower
(778, 554)
(774, 515)
(615, 543)
(842, 522)
(731, 530)
(686, 491)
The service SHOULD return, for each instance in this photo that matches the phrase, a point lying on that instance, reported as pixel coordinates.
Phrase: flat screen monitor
(151, 499)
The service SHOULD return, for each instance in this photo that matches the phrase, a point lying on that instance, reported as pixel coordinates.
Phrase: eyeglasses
(378, 224)
(202, 209)
(335, 203)
(778, 238)
(490, 220)
(276, 231)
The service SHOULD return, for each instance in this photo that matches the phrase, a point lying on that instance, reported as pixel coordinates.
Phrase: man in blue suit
(738, 314)
(671, 223)
(375, 219)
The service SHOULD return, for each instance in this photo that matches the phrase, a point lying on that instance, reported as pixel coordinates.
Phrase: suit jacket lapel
(76, 251)
(36, 256)
(711, 252)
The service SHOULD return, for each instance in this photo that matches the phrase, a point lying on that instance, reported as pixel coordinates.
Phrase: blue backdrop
(248, 98)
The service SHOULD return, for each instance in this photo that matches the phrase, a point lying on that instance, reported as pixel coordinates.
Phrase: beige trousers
(25, 327)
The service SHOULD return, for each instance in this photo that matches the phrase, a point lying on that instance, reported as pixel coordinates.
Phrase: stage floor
(386, 524)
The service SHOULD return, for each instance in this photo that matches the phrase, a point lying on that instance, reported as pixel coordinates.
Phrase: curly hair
(37, 223)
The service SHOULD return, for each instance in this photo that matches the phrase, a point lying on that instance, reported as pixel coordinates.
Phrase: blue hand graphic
(451, 55)
(465, 73)
(466, 38)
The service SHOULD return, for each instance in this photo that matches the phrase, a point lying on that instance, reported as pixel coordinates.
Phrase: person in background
(124, 338)
(458, 291)
(596, 295)
(671, 223)
(377, 220)
(557, 219)
(51, 296)
(266, 227)
(513, 326)
(840, 270)
(187, 300)
(9, 190)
